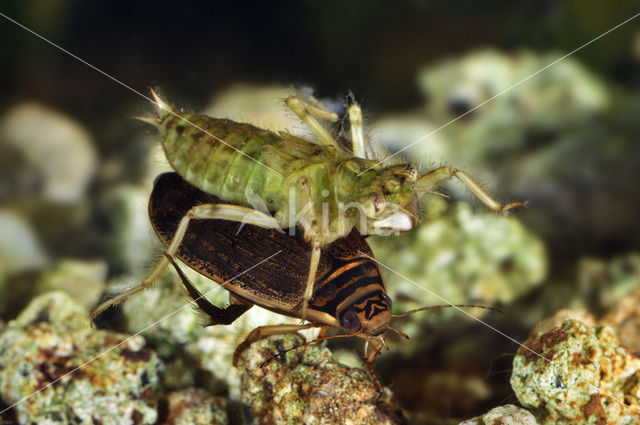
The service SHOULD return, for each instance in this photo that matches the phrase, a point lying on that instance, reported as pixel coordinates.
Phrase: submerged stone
(194, 407)
(577, 374)
(504, 415)
(57, 370)
(306, 385)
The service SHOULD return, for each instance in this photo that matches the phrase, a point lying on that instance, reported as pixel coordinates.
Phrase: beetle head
(368, 315)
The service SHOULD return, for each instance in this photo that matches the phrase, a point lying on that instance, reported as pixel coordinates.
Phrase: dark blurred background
(373, 48)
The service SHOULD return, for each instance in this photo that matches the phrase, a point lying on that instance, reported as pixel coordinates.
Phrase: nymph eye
(411, 171)
(350, 322)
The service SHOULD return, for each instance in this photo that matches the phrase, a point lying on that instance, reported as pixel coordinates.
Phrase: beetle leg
(310, 231)
(435, 177)
(311, 279)
(305, 112)
(265, 331)
(199, 212)
(217, 315)
(357, 133)
(368, 363)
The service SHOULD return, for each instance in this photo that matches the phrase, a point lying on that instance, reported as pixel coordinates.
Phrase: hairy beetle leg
(199, 212)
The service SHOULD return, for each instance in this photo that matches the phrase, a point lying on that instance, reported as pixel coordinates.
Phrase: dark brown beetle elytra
(349, 291)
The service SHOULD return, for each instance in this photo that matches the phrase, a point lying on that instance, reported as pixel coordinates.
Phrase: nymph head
(388, 197)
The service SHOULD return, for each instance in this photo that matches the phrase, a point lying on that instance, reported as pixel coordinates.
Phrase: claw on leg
(437, 176)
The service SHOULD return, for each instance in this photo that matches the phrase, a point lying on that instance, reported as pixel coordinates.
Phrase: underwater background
(481, 86)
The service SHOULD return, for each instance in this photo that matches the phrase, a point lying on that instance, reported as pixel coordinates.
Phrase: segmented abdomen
(220, 156)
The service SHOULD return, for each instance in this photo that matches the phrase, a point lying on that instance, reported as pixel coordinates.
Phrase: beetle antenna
(433, 307)
(399, 332)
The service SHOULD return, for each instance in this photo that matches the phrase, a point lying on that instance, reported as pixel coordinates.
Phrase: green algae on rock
(60, 371)
(305, 385)
(504, 415)
(591, 377)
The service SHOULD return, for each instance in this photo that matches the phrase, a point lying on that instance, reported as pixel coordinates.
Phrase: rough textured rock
(504, 415)
(60, 371)
(195, 407)
(305, 385)
(591, 378)
(624, 317)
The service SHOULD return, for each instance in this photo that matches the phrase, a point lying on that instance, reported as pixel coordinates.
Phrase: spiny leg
(357, 133)
(368, 362)
(199, 212)
(262, 332)
(305, 112)
(117, 299)
(435, 177)
(217, 315)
